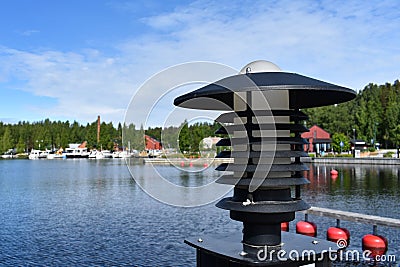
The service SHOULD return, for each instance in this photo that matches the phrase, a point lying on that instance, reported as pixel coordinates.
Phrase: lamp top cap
(260, 66)
(261, 75)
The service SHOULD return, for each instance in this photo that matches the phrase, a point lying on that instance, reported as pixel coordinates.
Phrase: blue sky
(78, 59)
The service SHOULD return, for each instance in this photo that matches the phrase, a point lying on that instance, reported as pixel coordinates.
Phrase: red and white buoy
(285, 226)
(334, 172)
(306, 228)
(376, 244)
(338, 234)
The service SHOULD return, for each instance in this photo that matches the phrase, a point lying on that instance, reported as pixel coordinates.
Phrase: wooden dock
(353, 216)
(186, 161)
(369, 161)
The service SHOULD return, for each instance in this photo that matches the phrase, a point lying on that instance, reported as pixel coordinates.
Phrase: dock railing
(354, 217)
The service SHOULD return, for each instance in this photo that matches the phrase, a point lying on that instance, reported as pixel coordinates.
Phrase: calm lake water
(92, 213)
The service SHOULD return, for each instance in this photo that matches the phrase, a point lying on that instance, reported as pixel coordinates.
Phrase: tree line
(187, 137)
(374, 116)
(25, 136)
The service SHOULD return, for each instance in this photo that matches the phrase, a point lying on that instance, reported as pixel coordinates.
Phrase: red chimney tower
(98, 129)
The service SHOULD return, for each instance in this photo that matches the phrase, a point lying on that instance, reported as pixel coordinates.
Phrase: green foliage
(374, 114)
(46, 134)
(184, 138)
(132, 138)
(154, 132)
(189, 137)
(344, 156)
(388, 154)
(20, 145)
(336, 139)
(7, 140)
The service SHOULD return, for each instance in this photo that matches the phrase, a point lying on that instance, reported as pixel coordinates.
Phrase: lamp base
(296, 250)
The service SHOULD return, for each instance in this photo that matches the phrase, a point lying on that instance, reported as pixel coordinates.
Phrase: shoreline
(185, 161)
(369, 161)
(212, 161)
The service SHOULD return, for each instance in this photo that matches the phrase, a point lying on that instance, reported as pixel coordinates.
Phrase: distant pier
(369, 161)
(353, 216)
(186, 161)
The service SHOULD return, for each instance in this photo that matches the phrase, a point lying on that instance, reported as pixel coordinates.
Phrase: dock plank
(354, 216)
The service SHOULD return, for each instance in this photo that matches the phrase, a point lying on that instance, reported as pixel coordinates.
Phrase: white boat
(99, 155)
(56, 155)
(10, 154)
(6, 156)
(104, 154)
(134, 153)
(154, 153)
(93, 153)
(44, 154)
(125, 154)
(77, 151)
(34, 154)
(116, 155)
(107, 154)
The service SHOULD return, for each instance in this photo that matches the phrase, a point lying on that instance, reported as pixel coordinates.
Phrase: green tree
(184, 138)
(396, 135)
(20, 145)
(8, 142)
(337, 138)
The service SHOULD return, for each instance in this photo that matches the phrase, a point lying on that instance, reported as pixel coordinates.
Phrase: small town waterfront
(92, 213)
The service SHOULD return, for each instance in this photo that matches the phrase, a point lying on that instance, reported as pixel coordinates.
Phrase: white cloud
(29, 32)
(351, 44)
(84, 85)
(340, 43)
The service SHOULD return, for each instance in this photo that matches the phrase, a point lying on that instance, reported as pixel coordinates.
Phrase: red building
(152, 144)
(319, 140)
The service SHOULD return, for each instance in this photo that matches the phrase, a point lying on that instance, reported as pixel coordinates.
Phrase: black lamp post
(264, 130)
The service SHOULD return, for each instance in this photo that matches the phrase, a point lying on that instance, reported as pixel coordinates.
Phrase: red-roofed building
(319, 140)
(152, 144)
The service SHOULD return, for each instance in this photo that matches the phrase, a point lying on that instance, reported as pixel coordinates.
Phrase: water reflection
(92, 213)
(375, 189)
(363, 180)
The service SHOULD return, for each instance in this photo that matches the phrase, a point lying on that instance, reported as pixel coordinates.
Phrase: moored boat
(10, 154)
(93, 153)
(57, 154)
(125, 154)
(77, 151)
(104, 154)
(116, 155)
(34, 154)
(44, 154)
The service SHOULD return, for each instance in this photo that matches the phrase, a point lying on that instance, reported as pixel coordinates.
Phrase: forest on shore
(373, 116)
